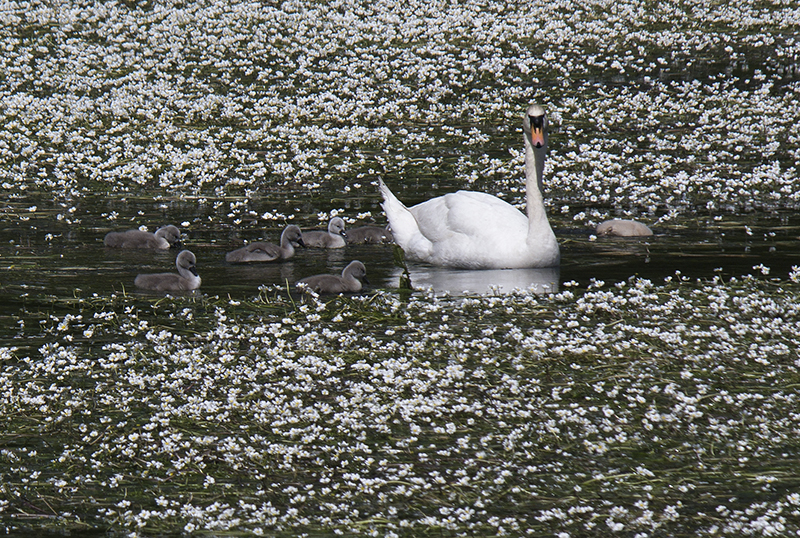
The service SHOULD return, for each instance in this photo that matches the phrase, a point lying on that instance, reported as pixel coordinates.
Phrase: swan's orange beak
(537, 136)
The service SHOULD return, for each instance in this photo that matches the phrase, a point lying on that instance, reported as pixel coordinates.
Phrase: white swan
(475, 230)
(186, 279)
(349, 282)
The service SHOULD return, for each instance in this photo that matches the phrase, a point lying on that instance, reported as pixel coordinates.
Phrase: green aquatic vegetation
(640, 409)
(213, 99)
(580, 412)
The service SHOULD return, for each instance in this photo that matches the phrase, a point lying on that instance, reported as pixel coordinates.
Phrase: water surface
(45, 255)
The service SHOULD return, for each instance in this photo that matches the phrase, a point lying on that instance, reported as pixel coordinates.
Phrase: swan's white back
(475, 230)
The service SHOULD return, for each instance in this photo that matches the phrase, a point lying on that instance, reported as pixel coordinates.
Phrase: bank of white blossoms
(516, 414)
(243, 98)
(642, 409)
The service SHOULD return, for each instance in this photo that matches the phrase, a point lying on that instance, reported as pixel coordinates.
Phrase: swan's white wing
(471, 229)
(478, 216)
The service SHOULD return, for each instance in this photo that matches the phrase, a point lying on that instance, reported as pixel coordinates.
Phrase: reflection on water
(466, 282)
(259, 273)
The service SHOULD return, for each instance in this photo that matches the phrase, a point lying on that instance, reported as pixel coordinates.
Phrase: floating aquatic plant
(217, 100)
(638, 408)
(514, 414)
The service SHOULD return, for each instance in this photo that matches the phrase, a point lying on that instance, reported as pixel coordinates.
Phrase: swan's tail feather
(405, 228)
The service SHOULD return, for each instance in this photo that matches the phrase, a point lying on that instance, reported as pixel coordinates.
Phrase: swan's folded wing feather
(323, 239)
(254, 252)
(476, 215)
(132, 239)
(159, 282)
(405, 227)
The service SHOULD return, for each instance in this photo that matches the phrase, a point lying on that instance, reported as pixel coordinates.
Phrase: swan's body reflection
(472, 282)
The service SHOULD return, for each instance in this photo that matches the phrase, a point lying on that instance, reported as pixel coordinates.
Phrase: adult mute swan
(475, 230)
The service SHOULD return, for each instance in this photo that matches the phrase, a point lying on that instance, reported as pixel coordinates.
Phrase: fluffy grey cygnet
(262, 251)
(349, 282)
(163, 238)
(369, 235)
(623, 228)
(187, 278)
(333, 238)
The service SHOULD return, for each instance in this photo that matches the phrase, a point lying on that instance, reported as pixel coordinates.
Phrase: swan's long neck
(187, 270)
(534, 172)
(286, 245)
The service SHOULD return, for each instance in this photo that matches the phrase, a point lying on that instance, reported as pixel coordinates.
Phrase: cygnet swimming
(348, 282)
(162, 239)
(187, 278)
(333, 238)
(368, 235)
(262, 251)
(623, 228)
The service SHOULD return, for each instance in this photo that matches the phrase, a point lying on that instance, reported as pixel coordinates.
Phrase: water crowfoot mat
(637, 407)
(578, 413)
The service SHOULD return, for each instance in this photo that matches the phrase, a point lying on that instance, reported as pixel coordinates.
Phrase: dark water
(49, 252)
